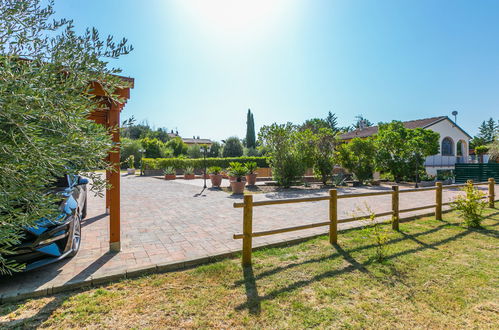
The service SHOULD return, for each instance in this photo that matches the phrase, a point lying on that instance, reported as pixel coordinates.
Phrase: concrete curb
(161, 267)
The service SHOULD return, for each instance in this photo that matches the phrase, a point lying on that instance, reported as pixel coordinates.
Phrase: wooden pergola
(108, 114)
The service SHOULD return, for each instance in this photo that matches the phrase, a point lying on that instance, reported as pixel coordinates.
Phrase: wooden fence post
(491, 192)
(247, 229)
(395, 208)
(438, 201)
(333, 216)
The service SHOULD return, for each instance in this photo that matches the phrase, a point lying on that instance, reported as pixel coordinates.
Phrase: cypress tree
(250, 130)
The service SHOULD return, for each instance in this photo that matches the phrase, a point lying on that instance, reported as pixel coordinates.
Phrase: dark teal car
(55, 239)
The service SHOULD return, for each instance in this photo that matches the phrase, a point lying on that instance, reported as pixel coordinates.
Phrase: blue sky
(199, 65)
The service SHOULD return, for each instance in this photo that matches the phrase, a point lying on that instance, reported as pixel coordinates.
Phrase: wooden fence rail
(249, 204)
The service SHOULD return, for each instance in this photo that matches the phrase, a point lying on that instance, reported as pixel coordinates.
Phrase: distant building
(189, 141)
(173, 134)
(454, 141)
(197, 140)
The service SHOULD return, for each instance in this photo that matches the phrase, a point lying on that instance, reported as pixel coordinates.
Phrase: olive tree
(286, 158)
(318, 150)
(45, 100)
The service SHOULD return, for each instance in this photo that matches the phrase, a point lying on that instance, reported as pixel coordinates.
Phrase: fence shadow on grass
(252, 297)
(354, 265)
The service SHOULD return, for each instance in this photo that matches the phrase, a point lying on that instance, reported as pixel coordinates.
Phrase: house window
(447, 147)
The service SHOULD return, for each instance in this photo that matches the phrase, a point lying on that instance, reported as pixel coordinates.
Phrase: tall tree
(332, 122)
(250, 131)
(488, 130)
(46, 69)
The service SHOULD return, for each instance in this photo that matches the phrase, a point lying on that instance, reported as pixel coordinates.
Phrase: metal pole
(417, 172)
(204, 176)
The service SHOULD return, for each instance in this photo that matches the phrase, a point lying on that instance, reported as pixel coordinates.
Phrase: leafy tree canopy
(286, 158)
(358, 157)
(402, 151)
(215, 150)
(178, 146)
(314, 125)
(233, 147)
(45, 99)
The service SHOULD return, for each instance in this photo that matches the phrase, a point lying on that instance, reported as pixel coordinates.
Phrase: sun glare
(235, 16)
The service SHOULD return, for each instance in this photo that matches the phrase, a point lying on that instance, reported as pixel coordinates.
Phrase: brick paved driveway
(165, 221)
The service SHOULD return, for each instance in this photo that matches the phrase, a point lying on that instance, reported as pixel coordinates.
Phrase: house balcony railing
(439, 160)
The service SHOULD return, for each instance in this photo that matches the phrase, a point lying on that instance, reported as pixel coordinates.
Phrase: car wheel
(76, 236)
(84, 211)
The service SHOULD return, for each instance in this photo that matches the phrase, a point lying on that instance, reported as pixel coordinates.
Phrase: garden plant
(470, 205)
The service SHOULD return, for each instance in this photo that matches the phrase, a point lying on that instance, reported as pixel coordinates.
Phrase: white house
(454, 141)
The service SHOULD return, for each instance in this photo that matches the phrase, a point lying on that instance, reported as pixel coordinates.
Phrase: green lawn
(437, 274)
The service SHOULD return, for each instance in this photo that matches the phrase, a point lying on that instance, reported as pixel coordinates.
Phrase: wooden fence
(249, 204)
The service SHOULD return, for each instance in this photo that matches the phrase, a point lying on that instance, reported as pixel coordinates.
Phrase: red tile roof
(369, 131)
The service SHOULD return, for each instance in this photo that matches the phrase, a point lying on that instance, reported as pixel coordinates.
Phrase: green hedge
(180, 163)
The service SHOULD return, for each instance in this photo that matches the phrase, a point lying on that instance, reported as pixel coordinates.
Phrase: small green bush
(216, 170)
(251, 167)
(189, 170)
(131, 161)
(238, 170)
(470, 205)
(378, 233)
(169, 170)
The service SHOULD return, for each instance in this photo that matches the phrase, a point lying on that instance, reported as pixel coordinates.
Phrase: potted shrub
(189, 173)
(215, 176)
(251, 176)
(238, 171)
(131, 167)
(445, 176)
(426, 180)
(169, 173)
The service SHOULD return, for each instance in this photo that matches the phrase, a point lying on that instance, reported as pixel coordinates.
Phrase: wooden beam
(114, 180)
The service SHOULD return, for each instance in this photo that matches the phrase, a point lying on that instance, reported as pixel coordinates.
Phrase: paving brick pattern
(169, 221)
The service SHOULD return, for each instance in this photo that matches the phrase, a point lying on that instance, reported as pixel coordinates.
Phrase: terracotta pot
(130, 171)
(216, 180)
(232, 178)
(189, 176)
(251, 178)
(170, 176)
(237, 187)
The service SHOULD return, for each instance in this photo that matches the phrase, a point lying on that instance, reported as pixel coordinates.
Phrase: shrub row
(181, 163)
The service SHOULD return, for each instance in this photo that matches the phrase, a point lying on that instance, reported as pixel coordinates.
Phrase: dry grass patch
(437, 274)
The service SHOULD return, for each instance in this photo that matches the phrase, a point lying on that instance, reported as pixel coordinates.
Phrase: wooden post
(438, 201)
(333, 216)
(114, 192)
(491, 192)
(247, 229)
(395, 207)
(108, 193)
